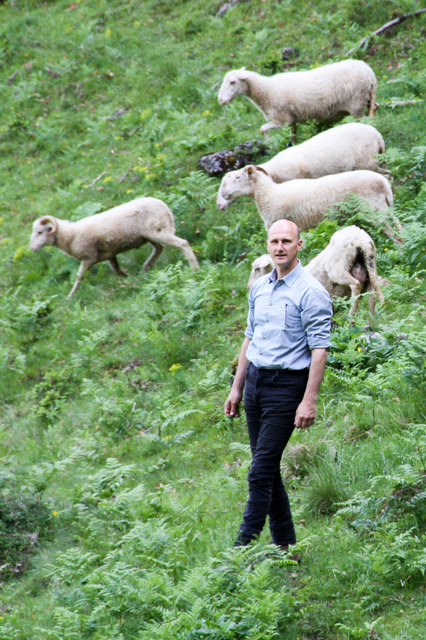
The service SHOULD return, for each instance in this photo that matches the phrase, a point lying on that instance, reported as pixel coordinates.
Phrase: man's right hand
(232, 403)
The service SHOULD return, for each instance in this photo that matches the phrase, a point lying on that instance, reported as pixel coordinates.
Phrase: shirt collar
(290, 278)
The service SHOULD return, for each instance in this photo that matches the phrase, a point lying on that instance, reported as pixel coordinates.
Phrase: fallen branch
(387, 26)
(401, 103)
(101, 175)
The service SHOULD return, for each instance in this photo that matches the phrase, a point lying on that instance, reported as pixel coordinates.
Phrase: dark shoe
(296, 557)
(242, 541)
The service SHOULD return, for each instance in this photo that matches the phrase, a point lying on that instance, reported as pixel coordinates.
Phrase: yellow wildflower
(174, 368)
(20, 251)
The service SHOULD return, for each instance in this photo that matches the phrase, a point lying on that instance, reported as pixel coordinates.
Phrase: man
(280, 369)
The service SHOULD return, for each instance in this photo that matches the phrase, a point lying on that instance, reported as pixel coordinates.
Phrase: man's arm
(306, 411)
(236, 393)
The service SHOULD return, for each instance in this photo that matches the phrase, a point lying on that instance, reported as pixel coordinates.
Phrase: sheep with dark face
(324, 94)
(346, 267)
(104, 235)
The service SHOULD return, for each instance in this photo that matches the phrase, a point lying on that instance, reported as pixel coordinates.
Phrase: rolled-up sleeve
(250, 317)
(316, 314)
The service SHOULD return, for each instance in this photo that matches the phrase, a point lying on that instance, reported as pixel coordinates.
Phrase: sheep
(260, 267)
(346, 147)
(346, 267)
(324, 94)
(104, 235)
(304, 201)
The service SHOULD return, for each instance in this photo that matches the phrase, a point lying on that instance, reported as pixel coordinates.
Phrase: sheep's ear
(250, 170)
(263, 170)
(243, 73)
(48, 223)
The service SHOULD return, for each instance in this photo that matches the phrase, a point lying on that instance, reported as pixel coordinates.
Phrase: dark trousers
(271, 398)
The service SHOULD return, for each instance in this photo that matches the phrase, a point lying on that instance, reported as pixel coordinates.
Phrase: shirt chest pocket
(293, 321)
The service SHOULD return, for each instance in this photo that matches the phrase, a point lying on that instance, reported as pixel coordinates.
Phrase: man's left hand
(305, 414)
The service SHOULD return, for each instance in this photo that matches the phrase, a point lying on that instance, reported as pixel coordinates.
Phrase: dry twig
(101, 175)
(385, 27)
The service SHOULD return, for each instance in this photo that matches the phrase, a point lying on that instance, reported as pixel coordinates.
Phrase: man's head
(284, 243)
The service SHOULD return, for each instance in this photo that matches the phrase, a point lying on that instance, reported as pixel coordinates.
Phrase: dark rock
(290, 52)
(224, 8)
(219, 163)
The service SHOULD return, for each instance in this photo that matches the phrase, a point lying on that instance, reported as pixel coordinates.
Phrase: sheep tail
(373, 105)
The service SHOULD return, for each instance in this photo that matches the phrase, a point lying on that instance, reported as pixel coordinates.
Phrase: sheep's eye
(232, 82)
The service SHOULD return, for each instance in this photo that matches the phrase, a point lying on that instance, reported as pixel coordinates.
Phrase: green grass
(111, 403)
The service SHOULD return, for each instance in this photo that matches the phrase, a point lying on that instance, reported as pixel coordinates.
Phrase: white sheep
(346, 147)
(304, 201)
(104, 235)
(260, 267)
(346, 267)
(324, 94)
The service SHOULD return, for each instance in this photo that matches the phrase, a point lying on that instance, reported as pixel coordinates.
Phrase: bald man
(280, 369)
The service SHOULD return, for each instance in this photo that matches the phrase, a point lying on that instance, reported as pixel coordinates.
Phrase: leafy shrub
(326, 488)
(300, 458)
(239, 595)
(24, 521)
(51, 393)
(360, 350)
(381, 225)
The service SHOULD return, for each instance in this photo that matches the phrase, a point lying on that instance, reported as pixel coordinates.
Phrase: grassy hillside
(122, 484)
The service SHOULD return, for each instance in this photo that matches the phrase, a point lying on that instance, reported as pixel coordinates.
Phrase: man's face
(284, 245)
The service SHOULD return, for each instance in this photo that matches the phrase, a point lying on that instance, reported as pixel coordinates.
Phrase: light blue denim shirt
(286, 319)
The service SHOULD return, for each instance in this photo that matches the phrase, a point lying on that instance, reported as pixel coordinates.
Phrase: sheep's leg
(345, 278)
(356, 290)
(376, 291)
(80, 273)
(385, 172)
(183, 245)
(373, 104)
(269, 125)
(157, 249)
(372, 302)
(114, 264)
(180, 243)
(387, 229)
(397, 223)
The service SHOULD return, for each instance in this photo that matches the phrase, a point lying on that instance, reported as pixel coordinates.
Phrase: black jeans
(271, 397)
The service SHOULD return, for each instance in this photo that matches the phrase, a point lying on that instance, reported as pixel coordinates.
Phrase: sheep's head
(234, 84)
(235, 184)
(260, 267)
(44, 232)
